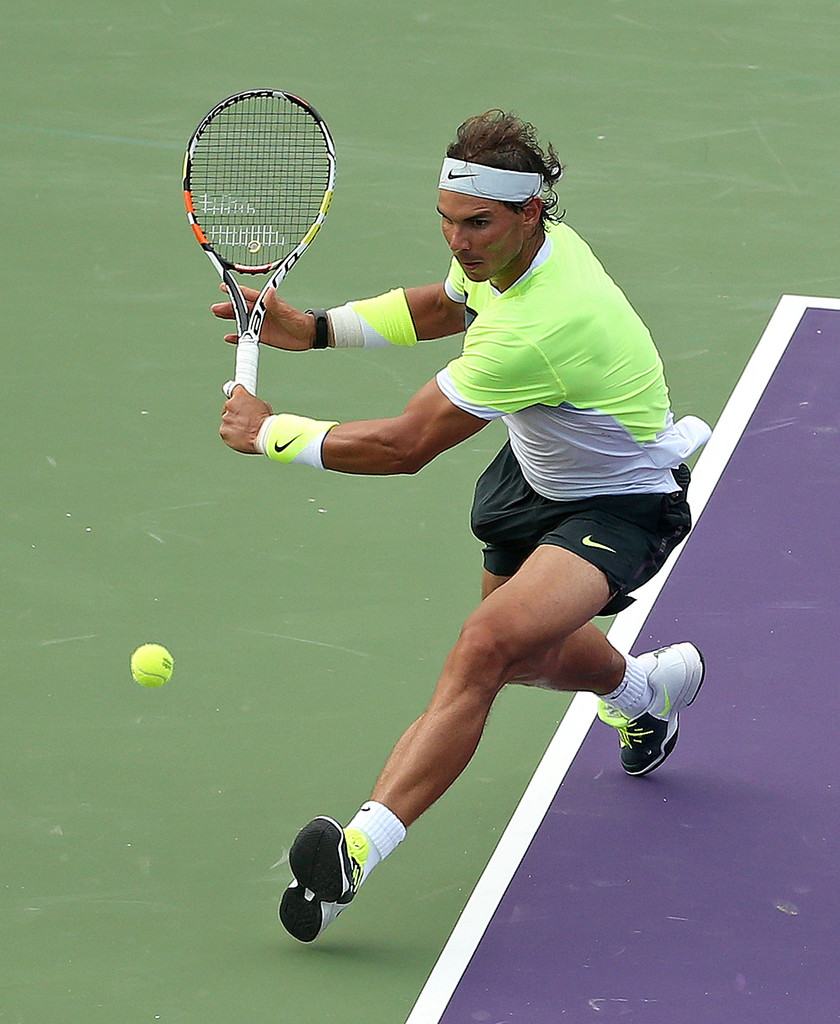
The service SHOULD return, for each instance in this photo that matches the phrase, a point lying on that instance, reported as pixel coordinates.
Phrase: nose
(458, 240)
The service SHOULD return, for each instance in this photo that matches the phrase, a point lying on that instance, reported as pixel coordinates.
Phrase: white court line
(571, 732)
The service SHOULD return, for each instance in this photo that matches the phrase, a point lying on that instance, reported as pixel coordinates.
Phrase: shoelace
(632, 733)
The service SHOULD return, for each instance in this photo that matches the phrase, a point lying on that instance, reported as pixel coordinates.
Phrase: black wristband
(322, 333)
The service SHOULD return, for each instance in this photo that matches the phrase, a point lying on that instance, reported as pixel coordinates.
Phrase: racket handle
(247, 362)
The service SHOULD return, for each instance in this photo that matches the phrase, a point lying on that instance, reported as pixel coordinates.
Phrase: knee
(487, 652)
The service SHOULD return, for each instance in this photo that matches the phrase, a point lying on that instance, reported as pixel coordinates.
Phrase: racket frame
(248, 325)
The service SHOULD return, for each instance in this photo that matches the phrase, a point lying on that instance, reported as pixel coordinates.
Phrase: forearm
(429, 425)
(365, 447)
(401, 317)
(374, 448)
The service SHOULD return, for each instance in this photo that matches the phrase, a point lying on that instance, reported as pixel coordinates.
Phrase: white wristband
(347, 327)
(351, 330)
(262, 436)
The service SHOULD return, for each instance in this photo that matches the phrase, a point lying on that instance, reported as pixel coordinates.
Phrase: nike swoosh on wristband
(283, 447)
(590, 543)
(452, 176)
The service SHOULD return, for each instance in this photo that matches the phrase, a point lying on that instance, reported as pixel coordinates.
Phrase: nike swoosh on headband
(484, 182)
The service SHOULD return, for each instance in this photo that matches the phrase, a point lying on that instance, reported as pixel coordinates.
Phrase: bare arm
(435, 315)
(428, 426)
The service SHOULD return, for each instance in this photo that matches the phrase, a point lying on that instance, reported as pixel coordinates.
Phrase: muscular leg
(574, 653)
(533, 627)
(536, 628)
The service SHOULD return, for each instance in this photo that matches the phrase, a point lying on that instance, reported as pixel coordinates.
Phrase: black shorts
(627, 536)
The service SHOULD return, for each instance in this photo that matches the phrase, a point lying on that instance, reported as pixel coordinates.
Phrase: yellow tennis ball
(151, 665)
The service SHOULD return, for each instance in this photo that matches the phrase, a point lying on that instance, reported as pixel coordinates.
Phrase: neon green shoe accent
(629, 731)
(358, 846)
(613, 717)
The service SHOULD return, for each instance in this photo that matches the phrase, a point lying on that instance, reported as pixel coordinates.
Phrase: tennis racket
(259, 174)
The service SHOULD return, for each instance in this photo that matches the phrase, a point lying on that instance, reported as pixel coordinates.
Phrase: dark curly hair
(500, 139)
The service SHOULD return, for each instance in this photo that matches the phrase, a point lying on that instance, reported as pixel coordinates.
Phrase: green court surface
(145, 833)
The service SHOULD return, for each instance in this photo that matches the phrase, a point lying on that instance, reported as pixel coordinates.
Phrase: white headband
(489, 182)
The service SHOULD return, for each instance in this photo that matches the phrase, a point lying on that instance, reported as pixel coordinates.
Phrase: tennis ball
(151, 665)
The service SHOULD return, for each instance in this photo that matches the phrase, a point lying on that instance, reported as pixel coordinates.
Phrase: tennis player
(581, 506)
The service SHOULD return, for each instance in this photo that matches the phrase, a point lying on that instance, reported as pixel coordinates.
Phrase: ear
(532, 212)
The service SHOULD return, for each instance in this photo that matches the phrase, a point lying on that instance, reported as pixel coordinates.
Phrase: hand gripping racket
(259, 174)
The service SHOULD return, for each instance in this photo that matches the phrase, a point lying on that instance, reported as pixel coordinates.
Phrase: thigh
(534, 627)
(553, 594)
(490, 582)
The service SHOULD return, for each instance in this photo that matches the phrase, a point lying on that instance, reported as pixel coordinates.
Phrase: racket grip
(247, 363)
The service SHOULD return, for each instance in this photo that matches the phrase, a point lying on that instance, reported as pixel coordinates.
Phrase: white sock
(383, 829)
(634, 694)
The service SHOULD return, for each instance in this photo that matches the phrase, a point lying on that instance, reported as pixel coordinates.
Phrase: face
(490, 241)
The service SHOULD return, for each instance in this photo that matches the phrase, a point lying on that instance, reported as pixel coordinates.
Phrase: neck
(517, 267)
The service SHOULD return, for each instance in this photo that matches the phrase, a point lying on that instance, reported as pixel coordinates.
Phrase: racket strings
(258, 176)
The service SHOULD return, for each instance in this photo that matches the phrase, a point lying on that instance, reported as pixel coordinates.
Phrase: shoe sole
(301, 917)
(320, 862)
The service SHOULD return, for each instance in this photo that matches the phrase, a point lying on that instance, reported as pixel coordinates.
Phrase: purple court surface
(709, 892)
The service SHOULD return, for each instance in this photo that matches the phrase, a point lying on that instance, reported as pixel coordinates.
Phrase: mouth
(468, 265)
